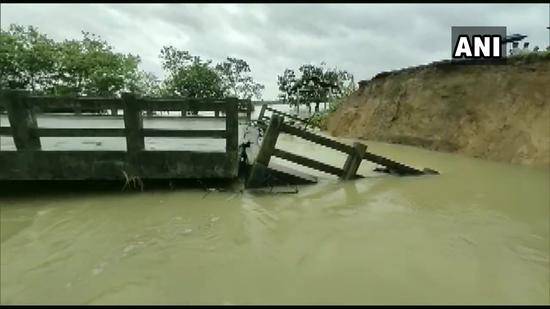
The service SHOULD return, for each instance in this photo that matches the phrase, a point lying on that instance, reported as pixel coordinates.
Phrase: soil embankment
(496, 112)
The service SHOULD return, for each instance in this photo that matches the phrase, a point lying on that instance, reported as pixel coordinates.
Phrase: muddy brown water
(477, 233)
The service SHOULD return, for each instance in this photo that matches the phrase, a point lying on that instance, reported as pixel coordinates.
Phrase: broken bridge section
(262, 173)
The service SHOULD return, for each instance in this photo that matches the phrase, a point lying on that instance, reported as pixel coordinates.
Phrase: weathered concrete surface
(105, 158)
(111, 165)
(273, 175)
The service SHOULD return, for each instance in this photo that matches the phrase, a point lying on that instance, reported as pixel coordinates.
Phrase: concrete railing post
(133, 122)
(262, 112)
(22, 120)
(231, 125)
(249, 108)
(77, 108)
(353, 161)
(269, 140)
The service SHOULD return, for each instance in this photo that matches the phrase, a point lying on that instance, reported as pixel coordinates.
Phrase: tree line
(89, 66)
(314, 84)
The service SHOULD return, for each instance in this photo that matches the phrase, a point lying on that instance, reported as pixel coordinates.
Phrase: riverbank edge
(387, 109)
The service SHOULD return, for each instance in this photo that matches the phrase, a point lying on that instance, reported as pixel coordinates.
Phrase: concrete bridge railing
(31, 162)
(356, 153)
(99, 105)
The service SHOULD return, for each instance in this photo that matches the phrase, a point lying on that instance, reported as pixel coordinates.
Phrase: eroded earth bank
(496, 112)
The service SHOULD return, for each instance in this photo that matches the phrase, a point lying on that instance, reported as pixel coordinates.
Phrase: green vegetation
(30, 60)
(236, 79)
(90, 67)
(319, 119)
(529, 57)
(189, 76)
(314, 85)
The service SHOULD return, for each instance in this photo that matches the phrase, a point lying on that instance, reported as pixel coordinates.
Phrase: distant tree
(237, 81)
(288, 88)
(314, 84)
(146, 84)
(174, 59)
(91, 67)
(190, 76)
(27, 58)
(30, 60)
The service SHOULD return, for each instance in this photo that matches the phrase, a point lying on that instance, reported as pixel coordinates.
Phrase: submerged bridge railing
(30, 162)
(355, 154)
(277, 126)
(262, 117)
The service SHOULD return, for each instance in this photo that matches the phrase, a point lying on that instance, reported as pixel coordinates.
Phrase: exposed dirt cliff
(496, 112)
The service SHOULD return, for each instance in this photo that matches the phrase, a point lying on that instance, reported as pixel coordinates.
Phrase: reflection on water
(477, 233)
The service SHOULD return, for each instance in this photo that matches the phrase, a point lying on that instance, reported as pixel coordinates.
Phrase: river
(477, 233)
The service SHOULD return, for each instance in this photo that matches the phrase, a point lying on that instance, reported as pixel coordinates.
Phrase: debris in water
(471, 242)
(186, 231)
(128, 248)
(99, 269)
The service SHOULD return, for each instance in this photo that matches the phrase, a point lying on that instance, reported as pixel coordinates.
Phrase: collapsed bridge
(28, 160)
(263, 173)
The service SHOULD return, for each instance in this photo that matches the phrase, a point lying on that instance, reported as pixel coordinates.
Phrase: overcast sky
(362, 38)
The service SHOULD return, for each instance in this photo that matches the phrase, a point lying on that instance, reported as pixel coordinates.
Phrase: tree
(315, 84)
(90, 67)
(190, 76)
(30, 60)
(237, 81)
(27, 58)
(146, 84)
(288, 88)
